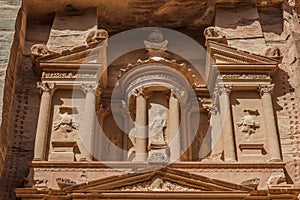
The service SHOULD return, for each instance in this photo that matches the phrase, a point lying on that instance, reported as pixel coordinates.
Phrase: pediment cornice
(166, 179)
(85, 56)
(221, 54)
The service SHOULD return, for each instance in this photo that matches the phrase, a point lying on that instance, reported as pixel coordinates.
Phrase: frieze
(244, 76)
(66, 75)
(153, 77)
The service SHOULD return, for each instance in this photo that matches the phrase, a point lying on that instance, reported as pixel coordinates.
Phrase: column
(43, 120)
(185, 139)
(227, 128)
(141, 126)
(87, 128)
(98, 145)
(270, 124)
(174, 132)
(125, 131)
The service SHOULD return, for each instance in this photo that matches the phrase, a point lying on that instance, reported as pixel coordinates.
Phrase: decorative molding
(251, 182)
(187, 72)
(64, 182)
(244, 76)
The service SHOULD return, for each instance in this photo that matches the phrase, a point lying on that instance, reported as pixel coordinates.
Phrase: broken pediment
(164, 180)
(90, 54)
(221, 54)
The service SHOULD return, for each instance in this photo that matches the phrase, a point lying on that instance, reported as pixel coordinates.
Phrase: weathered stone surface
(66, 32)
(251, 26)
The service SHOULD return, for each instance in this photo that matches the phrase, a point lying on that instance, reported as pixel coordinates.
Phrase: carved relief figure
(248, 123)
(157, 129)
(65, 124)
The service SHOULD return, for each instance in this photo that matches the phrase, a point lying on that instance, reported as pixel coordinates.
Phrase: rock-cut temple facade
(137, 99)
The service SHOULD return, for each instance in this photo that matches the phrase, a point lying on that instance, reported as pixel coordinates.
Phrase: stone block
(61, 156)
(239, 23)
(66, 32)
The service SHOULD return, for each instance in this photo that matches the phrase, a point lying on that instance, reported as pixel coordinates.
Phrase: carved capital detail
(142, 92)
(86, 88)
(265, 89)
(45, 87)
(38, 50)
(225, 89)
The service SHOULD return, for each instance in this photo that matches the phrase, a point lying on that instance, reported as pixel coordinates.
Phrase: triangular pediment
(82, 54)
(164, 180)
(223, 54)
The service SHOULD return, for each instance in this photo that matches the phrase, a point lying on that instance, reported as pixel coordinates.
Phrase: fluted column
(87, 128)
(141, 126)
(175, 146)
(227, 130)
(273, 141)
(43, 120)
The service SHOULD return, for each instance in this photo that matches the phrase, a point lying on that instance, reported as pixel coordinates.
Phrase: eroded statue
(66, 123)
(248, 123)
(157, 129)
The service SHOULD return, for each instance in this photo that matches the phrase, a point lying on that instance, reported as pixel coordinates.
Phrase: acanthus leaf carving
(225, 89)
(268, 88)
(45, 86)
(89, 87)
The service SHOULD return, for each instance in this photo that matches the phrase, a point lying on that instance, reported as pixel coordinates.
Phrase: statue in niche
(65, 124)
(248, 123)
(132, 137)
(157, 129)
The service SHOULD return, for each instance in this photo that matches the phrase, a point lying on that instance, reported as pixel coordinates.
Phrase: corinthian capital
(265, 88)
(45, 87)
(142, 92)
(225, 89)
(89, 87)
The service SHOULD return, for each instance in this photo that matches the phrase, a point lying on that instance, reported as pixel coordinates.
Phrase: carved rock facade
(155, 121)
